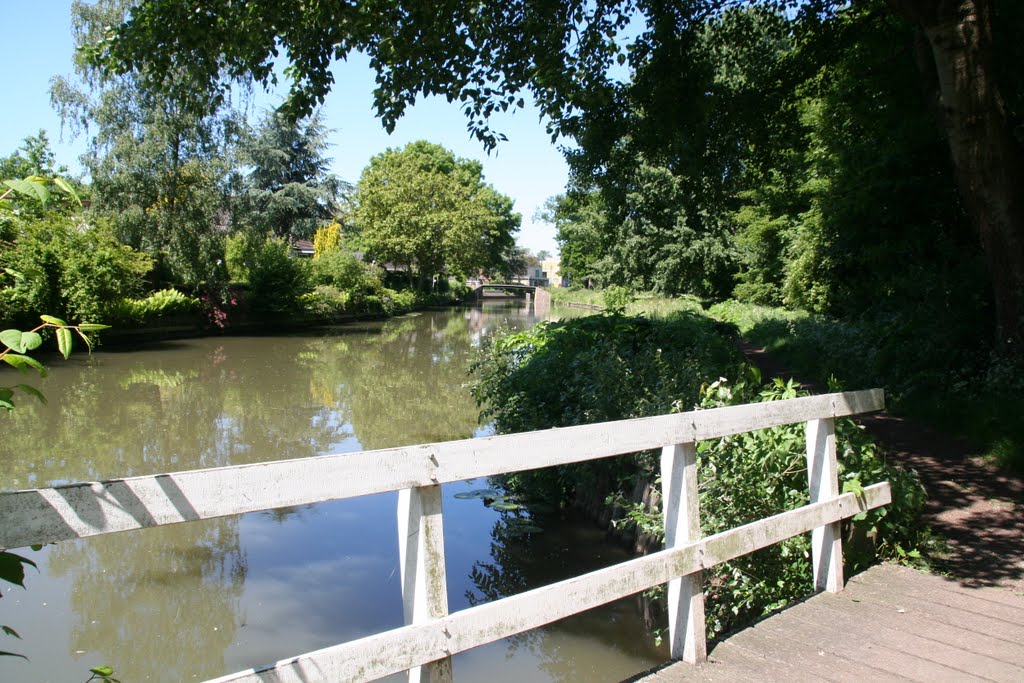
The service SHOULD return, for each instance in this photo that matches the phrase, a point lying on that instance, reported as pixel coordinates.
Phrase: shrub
(593, 369)
(165, 302)
(762, 473)
(74, 270)
(240, 253)
(326, 239)
(604, 368)
(617, 298)
(276, 280)
(325, 301)
(341, 269)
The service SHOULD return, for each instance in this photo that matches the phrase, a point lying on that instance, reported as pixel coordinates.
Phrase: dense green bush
(593, 369)
(70, 268)
(240, 252)
(276, 280)
(757, 474)
(325, 301)
(342, 269)
(603, 368)
(388, 302)
(162, 303)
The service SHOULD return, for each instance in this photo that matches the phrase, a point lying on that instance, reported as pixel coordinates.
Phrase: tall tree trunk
(988, 160)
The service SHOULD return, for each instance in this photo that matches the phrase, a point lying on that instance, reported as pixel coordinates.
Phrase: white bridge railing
(425, 645)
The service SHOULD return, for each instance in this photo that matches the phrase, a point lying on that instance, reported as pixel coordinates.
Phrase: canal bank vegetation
(617, 366)
(73, 264)
(210, 221)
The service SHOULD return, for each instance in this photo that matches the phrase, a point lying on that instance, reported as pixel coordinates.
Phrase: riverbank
(241, 321)
(975, 498)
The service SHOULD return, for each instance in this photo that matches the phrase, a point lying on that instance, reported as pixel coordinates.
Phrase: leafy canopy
(424, 208)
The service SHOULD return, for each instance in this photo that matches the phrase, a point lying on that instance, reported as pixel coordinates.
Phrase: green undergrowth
(609, 367)
(937, 375)
(633, 303)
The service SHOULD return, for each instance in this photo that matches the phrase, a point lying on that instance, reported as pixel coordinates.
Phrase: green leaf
(10, 631)
(20, 342)
(32, 391)
(92, 327)
(64, 342)
(12, 568)
(12, 654)
(29, 189)
(64, 185)
(12, 339)
(102, 671)
(24, 362)
(30, 341)
(53, 321)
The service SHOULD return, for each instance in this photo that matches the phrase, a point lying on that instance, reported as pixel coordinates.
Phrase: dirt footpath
(976, 508)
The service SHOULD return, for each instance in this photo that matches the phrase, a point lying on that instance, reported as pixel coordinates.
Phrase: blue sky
(528, 168)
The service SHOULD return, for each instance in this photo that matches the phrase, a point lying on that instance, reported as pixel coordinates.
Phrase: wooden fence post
(421, 557)
(823, 478)
(687, 634)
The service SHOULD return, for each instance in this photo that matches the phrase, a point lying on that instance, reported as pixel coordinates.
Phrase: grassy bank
(954, 389)
(605, 367)
(641, 303)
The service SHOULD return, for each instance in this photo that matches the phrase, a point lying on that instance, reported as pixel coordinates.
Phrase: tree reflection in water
(532, 550)
(120, 585)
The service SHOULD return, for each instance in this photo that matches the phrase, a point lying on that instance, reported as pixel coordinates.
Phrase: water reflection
(120, 590)
(198, 600)
(610, 642)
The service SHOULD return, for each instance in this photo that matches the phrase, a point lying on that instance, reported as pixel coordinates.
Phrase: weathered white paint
(421, 558)
(88, 509)
(400, 649)
(681, 507)
(823, 479)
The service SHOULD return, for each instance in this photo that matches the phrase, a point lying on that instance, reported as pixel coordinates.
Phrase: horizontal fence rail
(424, 646)
(79, 510)
(399, 649)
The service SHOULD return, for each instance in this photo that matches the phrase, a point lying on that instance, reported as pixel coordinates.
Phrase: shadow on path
(978, 509)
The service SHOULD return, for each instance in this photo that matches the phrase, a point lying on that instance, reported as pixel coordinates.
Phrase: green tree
(33, 158)
(579, 219)
(161, 172)
(289, 191)
(422, 208)
(485, 54)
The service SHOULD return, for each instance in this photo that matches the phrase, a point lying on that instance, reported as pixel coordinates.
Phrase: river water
(203, 599)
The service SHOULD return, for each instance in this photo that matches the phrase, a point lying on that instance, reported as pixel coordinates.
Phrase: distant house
(534, 276)
(552, 271)
(303, 248)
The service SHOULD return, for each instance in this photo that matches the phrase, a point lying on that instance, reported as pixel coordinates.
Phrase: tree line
(798, 136)
(198, 201)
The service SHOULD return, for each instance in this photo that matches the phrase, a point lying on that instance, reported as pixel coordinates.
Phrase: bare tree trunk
(987, 159)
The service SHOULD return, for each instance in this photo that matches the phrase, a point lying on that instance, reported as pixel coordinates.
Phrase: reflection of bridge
(432, 634)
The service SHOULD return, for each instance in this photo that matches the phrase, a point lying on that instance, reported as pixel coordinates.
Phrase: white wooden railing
(425, 645)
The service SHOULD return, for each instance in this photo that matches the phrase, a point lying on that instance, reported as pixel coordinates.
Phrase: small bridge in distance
(502, 290)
